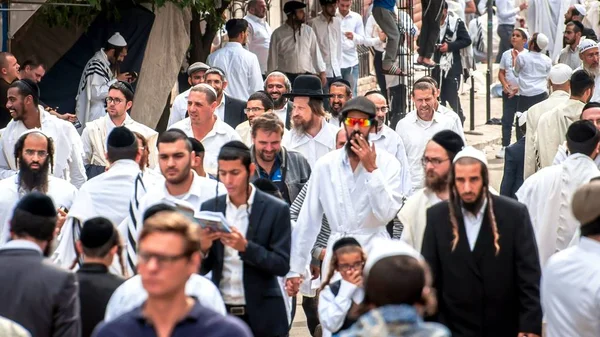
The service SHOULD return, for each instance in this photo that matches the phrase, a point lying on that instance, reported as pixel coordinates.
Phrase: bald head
(340, 139)
(381, 106)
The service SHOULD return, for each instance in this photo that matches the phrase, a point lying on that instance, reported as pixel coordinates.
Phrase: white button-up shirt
(220, 134)
(569, 57)
(312, 148)
(285, 42)
(387, 139)
(220, 109)
(532, 70)
(232, 282)
(570, 290)
(259, 39)
(506, 12)
(473, 224)
(179, 108)
(329, 36)
(131, 294)
(353, 22)
(415, 134)
(241, 67)
(506, 64)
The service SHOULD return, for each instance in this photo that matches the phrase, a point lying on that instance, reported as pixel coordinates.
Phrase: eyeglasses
(161, 260)
(383, 109)
(247, 110)
(113, 100)
(433, 161)
(40, 153)
(361, 122)
(354, 266)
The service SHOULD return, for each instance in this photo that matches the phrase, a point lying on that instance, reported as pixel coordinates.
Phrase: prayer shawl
(466, 54)
(534, 114)
(130, 226)
(97, 133)
(552, 129)
(93, 88)
(547, 17)
(413, 217)
(548, 194)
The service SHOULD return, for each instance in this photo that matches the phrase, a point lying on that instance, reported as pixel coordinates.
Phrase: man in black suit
(514, 161)
(99, 243)
(246, 262)
(33, 292)
(229, 109)
(483, 256)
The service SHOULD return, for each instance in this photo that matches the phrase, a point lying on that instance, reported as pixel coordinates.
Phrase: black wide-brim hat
(307, 86)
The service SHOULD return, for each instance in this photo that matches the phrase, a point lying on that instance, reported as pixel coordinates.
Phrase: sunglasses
(361, 122)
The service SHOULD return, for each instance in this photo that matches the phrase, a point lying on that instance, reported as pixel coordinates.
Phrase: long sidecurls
(455, 208)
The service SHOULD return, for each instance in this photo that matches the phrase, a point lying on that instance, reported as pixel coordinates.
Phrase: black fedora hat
(307, 86)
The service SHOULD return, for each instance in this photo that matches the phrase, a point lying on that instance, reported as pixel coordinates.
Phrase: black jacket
(481, 294)
(267, 256)
(463, 40)
(96, 286)
(234, 111)
(38, 295)
(512, 179)
(589, 33)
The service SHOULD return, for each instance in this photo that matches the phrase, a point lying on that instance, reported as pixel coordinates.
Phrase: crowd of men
(276, 182)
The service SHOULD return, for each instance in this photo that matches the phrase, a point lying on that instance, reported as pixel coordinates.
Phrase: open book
(214, 220)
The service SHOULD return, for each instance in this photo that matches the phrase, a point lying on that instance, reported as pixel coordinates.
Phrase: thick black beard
(348, 145)
(278, 103)
(439, 184)
(34, 179)
(474, 207)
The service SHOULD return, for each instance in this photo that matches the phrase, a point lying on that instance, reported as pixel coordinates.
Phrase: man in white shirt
(358, 188)
(294, 37)
(589, 52)
(259, 32)
(312, 135)
(387, 139)
(258, 104)
(548, 193)
(340, 91)
(179, 108)
(560, 82)
(246, 261)
(97, 76)
(229, 109)
(506, 12)
(417, 128)
(569, 55)
(204, 125)
(437, 161)
(571, 284)
(328, 30)
(118, 103)
(34, 158)
(23, 104)
(277, 85)
(106, 195)
(532, 70)
(241, 66)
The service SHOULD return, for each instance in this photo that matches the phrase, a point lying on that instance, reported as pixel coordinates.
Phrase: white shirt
(570, 291)
(107, 195)
(179, 108)
(569, 57)
(232, 282)
(245, 132)
(563, 153)
(220, 134)
(68, 149)
(220, 109)
(241, 67)
(282, 113)
(353, 22)
(286, 42)
(372, 30)
(131, 294)
(506, 12)
(473, 224)
(312, 148)
(61, 192)
(413, 216)
(596, 95)
(506, 64)
(388, 140)
(329, 37)
(532, 70)
(333, 309)
(259, 38)
(415, 137)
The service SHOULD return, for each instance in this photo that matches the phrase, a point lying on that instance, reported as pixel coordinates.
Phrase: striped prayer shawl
(133, 223)
(94, 67)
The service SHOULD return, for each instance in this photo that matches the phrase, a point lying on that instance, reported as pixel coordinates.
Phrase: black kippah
(343, 242)
(450, 141)
(157, 208)
(121, 137)
(38, 204)
(265, 185)
(235, 144)
(35, 89)
(96, 232)
(197, 146)
(581, 131)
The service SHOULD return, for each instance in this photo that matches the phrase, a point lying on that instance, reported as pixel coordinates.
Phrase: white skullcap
(521, 118)
(524, 31)
(34, 130)
(382, 248)
(471, 152)
(542, 41)
(580, 8)
(586, 44)
(206, 86)
(117, 40)
(560, 73)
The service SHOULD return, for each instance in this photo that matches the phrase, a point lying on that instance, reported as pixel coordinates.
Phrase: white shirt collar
(589, 245)
(195, 190)
(250, 198)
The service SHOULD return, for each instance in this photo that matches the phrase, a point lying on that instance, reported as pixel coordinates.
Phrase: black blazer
(463, 40)
(96, 286)
(234, 111)
(481, 294)
(267, 256)
(512, 179)
(38, 295)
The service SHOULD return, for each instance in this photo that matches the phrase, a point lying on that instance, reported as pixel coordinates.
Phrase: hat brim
(292, 95)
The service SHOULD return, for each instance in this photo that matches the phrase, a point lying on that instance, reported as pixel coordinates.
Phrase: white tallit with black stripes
(131, 225)
(93, 87)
